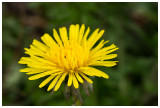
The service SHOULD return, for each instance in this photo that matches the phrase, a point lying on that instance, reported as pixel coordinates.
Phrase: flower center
(71, 57)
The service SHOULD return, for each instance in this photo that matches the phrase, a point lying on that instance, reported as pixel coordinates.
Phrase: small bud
(77, 96)
(85, 86)
(67, 92)
(90, 86)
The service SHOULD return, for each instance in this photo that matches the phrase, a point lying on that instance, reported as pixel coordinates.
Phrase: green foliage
(133, 27)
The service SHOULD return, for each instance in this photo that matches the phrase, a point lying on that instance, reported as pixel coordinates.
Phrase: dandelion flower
(69, 56)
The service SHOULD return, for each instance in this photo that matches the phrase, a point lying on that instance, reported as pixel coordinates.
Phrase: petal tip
(48, 89)
(40, 86)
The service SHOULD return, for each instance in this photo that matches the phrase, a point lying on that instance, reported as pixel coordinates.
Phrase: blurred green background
(133, 27)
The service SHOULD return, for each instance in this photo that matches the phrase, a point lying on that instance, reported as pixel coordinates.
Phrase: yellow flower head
(71, 56)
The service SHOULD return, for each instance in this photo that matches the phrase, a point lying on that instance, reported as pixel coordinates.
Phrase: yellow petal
(86, 78)
(103, 51)
(60, 81)
(40, 66)
(107, 57)
(31, 70)
(89, 73)
(57, 38)
(22, 62)
(37, 60)
(70, 79)
(99, 46)
(53, 82)
(93, 36)
(98, 36)
(112, 50)
(25, 60)
(103, 63)
(85, 36)
(75, 82)
(96, 72)
(37, 76)
(48, 40)
(81, 32)
(29, 73)
(39, 70)
(40, 45)
(72, 34)
(79, 78)
(63, 34)
(76, 32)
(46, 81)
(42, 60)
(35, 51)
